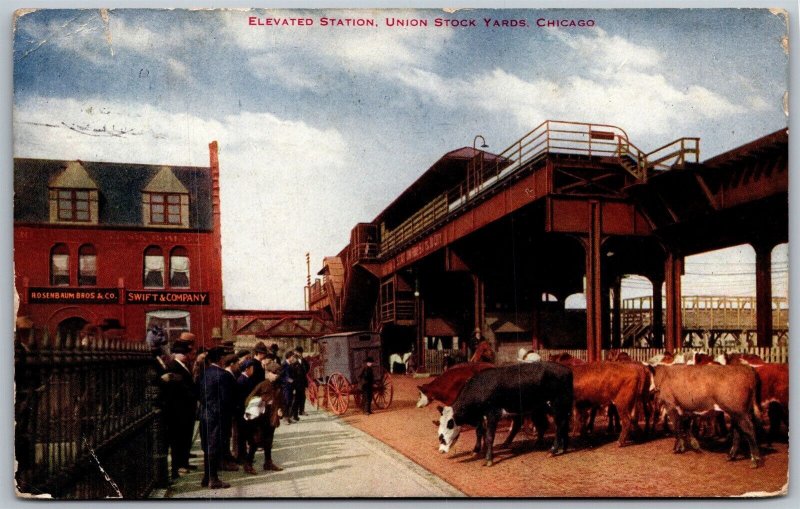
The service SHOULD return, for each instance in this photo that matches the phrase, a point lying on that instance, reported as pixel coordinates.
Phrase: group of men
(217, 386)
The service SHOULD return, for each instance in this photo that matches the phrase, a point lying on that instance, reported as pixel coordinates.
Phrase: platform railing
(551, 136)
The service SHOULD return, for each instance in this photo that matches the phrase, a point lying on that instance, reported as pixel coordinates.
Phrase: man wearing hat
(366, 380)
(245, 384)
(217, 393)
(288, 373)
(231, 364)
(181, 406)
(301, 384)
(260, 353)
(263, 427)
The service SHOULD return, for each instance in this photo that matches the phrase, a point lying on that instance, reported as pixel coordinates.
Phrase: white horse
(396, 357)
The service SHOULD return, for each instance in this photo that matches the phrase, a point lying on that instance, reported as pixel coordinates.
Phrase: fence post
(157, 435)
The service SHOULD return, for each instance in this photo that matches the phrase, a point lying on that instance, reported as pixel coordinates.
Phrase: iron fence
(88, 423)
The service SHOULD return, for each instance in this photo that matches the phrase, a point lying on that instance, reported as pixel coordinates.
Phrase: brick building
(118, 246)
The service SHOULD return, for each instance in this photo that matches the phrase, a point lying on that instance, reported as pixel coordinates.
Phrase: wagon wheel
(312, 390)
(383, 392)
(338, 393)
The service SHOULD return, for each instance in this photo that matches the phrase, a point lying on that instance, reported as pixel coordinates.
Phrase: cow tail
(757, 401)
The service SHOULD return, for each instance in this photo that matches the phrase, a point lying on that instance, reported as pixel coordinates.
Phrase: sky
(321, 127)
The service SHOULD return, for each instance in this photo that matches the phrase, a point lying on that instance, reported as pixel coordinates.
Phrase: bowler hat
(186, 336)
(260, 348)
(215, 354)
(229, 359)
(247, 363)
(181, 347)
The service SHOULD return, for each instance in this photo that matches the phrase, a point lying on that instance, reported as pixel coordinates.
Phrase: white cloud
(639, 99)
(278, 177)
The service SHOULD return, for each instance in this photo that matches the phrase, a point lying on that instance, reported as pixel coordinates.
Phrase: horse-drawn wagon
(333, 374)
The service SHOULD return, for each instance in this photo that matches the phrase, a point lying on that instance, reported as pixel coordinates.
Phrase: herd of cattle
(695, 394)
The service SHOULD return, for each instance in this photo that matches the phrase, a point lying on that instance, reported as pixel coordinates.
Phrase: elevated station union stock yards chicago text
(393, 22)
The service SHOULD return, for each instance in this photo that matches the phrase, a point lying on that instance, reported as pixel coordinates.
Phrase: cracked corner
(18, 14)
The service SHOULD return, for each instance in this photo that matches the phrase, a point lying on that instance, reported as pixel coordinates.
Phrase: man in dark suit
(300, 384)
(245, 385)
(217, 395)
(181, 406)
(260, 352)
(287, 382)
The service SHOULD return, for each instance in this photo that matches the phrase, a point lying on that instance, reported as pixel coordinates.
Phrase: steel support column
(673, 268)
(616, 324)
(657, 324)
(536, 304)
(763, 294)
(420, 353)
(594, 292)
(478, 305)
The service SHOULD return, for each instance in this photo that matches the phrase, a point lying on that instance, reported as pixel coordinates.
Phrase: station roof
(443, 175)
(765, 145)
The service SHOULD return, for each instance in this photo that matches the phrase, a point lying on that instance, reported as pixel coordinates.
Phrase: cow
(773, 389)
(566, 359)
(518, 389)
(483, 353)
(528, 356)
(621, 384)
(691, 390)
(749, 359)
(446, 387)
(618, 356)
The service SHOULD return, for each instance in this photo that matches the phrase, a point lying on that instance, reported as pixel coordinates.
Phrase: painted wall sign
(73, 295)
(184, 298)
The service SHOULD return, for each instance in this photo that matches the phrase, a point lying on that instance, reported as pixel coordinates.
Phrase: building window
(153, 268)
(59, 265)
(73, 205)
(172, 322)
(87, 265)
(179, 268)
(165, 208)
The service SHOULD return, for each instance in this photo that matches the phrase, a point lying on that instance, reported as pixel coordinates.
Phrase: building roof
(443, 175)
(119, 184)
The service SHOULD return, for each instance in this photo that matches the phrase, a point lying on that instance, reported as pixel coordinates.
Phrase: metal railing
(88, 425)
(551, 136)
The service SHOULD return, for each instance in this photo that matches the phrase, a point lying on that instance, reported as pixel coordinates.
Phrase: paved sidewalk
(322, 456)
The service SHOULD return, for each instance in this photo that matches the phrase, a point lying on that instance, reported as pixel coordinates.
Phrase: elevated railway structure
(497, 242)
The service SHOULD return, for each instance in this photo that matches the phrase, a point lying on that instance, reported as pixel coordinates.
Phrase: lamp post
(474, 175)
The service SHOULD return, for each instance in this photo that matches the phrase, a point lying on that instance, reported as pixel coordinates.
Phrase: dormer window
(73, 196)
(73, 205)
(165, 208)
(165, 201)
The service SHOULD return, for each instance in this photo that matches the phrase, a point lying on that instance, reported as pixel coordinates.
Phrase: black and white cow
(525, 389)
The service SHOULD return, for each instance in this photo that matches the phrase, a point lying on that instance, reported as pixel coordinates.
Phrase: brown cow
(566, 359)
(773, 383)
(448, 385)
(598, 384)
(689, 390)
